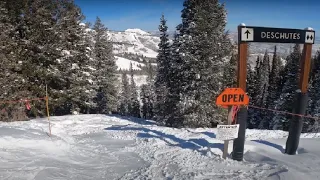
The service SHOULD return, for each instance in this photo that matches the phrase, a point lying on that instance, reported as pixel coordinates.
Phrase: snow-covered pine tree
(229, 73)
(161, 80)
(38, 47)
(263, 81)
(273, 91)
(75, 60)
(5, 46)
(258, 91)
(134, 99)
(312, 125)
(204, 44)
(262, 90)
(144, 101)
(105, 69)
(149, 92)
(147, 101)
(85, 88)
(175, 78)
(252, 91)
(124, 98)
(288, 92)
(11, 78)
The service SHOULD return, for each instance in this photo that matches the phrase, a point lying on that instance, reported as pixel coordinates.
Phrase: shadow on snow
(280, 148)
(192, 144)
(135, 120)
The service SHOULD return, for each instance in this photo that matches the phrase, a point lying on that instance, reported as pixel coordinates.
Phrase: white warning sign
(227, 132)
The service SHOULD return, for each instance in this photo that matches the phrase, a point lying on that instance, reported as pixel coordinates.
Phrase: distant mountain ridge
(142, 43)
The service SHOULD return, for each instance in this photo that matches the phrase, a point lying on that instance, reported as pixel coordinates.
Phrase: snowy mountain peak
(137, 31)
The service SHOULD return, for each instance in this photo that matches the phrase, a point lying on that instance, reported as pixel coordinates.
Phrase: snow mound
(138, 31)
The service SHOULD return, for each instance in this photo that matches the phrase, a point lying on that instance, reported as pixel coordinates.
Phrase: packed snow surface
(112, 147)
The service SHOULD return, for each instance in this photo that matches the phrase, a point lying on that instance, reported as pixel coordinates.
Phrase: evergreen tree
(203, 46)
(252, 92)
(11, 78)
(105, 69)
(161, 81)
(75, 59)
(312, 125)
(149, 90)
(273, 88)
(135, 105)
(259, 91)
(263, 81)
(124, 96)
(175, 84)
(147, 101)
(84, 88)
(229, 73)
(39, 37)
(288, 92)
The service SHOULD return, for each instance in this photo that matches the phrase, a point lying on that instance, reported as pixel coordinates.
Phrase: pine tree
(273, 90)
(75, 60)
(147, 101)
(161, 81)
(229, 73)
(84, 88)
(39, 46)
(203, 46)
(149, 92)
(251, 90)
(124, 96)
(11, 78)
(258, 91)
(253, 86)
(263, 81)
(105, 69)
(313, 109)
(134, 102)
(288, 92)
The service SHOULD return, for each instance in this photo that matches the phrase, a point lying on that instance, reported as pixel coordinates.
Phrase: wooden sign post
(228, 98)
(274, 35)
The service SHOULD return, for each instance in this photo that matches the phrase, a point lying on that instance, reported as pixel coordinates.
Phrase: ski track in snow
(111, 147)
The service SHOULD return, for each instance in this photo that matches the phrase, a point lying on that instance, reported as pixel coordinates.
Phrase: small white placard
(227, 132)
(247, 34)
(309, 37)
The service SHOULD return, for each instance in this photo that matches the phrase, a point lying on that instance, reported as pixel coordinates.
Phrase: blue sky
(145, 14)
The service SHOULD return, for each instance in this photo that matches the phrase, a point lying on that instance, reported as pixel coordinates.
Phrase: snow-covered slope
(110, 147)
(124, 64)
(134, 41)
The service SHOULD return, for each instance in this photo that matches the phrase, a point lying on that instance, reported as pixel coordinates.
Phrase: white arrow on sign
(309, 37)
(247, 34)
